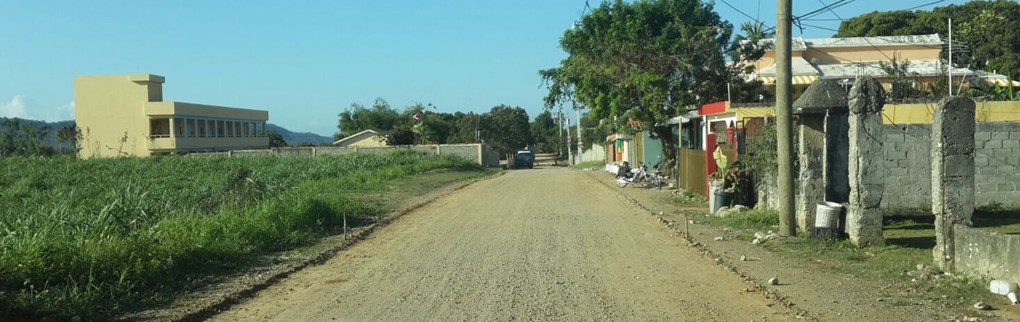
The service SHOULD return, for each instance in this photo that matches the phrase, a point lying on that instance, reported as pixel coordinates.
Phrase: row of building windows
(184, 127)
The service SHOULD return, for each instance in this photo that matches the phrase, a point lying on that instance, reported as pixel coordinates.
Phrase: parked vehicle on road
(524, 159)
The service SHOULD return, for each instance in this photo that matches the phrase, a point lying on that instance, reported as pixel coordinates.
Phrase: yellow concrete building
(125, 115)
(363, 139)
(846, 58)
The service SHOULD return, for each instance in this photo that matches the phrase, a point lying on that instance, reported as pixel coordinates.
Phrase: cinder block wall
(908, 162)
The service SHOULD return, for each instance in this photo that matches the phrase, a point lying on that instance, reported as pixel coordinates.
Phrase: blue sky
(306, 61)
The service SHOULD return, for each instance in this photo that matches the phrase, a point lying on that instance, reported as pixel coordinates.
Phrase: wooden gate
(692, 171)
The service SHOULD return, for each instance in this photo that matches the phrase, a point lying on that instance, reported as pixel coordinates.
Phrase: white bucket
(1002, 287)
(827, 214)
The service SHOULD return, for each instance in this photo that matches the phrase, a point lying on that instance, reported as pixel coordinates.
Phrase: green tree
(466, 126)
(645, 61)
(904, 82)
(544, 132)
(592, 131)
(357, 118)
(505, 128)
(70, 135)
(401, 135)
(8, 137)
(275, 139)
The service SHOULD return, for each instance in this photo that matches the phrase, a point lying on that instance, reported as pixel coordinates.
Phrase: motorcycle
(635, 175)
(641, 175)
(656, 179)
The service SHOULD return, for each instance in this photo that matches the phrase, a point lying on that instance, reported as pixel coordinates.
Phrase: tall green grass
(93, 238)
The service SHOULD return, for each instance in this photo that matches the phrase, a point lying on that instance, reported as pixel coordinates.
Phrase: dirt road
(542, 244)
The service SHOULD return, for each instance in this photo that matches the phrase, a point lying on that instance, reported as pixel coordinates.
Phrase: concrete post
(952, 173)
(812, 107)
(867, 174)
(810, 181)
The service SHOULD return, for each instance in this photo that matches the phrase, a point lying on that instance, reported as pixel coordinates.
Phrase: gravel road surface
(533, 245)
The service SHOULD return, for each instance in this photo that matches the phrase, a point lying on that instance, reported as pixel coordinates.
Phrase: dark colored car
(524, 159)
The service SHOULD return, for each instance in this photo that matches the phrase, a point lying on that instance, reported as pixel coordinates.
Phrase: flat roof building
(125, 115)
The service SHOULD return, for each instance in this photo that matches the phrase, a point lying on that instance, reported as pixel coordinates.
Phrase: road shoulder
(805, 285)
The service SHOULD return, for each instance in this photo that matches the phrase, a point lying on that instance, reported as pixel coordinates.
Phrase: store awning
(797, 80)
(1002, 82)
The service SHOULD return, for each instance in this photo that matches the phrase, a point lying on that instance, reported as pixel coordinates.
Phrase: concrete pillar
(866, 168)
(952, 173)
(173, 127)
(811, 108)
(810, 180)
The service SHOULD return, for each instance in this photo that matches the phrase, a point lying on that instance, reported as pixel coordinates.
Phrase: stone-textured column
(867, 172)
(952, 173)
(811, 108)
(810, 179)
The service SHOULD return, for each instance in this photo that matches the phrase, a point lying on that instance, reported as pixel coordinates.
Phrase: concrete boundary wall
(908, 160)
(595, 153)
(985, 253)
(479, 153)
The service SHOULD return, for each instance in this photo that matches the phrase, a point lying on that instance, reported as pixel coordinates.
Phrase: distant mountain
(298, 138)
(292, 138)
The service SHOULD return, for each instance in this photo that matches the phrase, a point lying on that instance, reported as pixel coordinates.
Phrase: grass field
(93, 238)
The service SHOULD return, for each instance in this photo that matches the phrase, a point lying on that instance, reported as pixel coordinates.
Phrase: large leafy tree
(357, 118)
(545, 133)
(506, 128)
(988, 28)
(466, 126)
(637, 64)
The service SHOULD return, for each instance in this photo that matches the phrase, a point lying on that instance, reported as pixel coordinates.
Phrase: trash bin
(722, 199)
(827, 215)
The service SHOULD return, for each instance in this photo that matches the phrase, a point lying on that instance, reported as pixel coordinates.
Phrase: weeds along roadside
(92, 238)
(892, 262)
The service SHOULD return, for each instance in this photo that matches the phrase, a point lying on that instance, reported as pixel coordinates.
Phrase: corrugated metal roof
(798, 66)
(920, 67)
(799, 44)
(916, 40)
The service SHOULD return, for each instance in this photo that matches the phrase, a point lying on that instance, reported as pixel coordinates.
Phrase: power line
(926, 4)
(818, 27)
(741, 12)
(796, 19)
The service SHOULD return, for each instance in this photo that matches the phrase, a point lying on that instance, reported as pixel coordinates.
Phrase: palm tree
(754, 31)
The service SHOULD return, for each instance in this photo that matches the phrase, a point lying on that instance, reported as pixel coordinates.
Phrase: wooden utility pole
(784, 119)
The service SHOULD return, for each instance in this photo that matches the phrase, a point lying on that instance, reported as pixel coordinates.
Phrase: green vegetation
(94, 238)
(590, 164)
(684, 198)
(505, 128)
(908, 243)
(638, 64)
(753, 219)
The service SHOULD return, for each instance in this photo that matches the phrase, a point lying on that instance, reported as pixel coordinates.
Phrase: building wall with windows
(125, 115)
